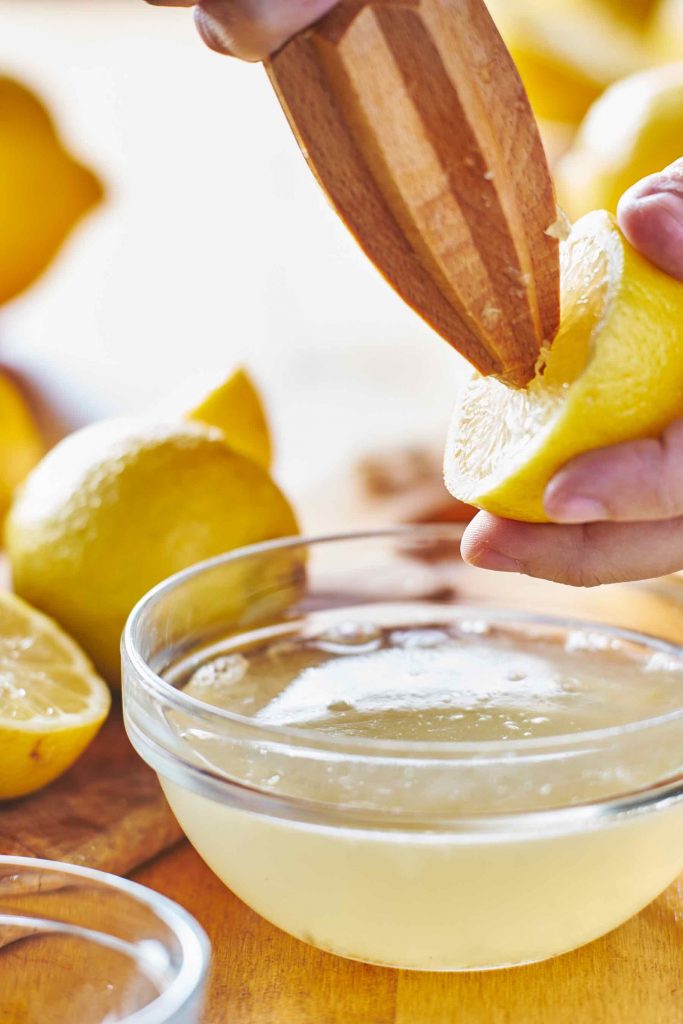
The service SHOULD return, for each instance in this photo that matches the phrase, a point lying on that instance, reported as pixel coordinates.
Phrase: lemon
(44, 190)
(51, 701)
(635, 129)
(637, 11)
(567, 52)
(21, 445)
(235, 407)
(120, 505)
(614, 373)
(666, 34)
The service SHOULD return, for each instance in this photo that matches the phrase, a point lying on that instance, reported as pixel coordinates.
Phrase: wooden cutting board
(107, 812)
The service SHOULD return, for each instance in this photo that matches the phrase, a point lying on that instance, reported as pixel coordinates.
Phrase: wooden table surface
(262, 976)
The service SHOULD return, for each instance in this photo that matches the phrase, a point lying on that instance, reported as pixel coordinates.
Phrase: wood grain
(107, 812)
(413, 117)
(260, 975)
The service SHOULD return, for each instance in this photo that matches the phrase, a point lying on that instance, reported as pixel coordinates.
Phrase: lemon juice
(435, 794)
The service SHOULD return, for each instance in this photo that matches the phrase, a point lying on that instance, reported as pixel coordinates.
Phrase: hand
(250, 29)
(620, 508)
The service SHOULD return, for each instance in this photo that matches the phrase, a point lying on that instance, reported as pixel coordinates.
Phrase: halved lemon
(52, 703)
(614, 373)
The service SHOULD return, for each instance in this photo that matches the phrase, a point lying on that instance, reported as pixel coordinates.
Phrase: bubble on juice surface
(215, 682)
(411, 639)
(587, 640)
(664, 661)
(478, 627)
(349, 638)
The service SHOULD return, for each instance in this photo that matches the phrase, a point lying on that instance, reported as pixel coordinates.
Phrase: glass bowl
(85, 946)
(426, 855)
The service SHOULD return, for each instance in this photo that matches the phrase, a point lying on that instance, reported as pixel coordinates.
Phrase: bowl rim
(193, 940)
(181, 701)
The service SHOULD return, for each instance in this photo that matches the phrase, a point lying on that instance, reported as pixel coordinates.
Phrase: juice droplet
(223, 672)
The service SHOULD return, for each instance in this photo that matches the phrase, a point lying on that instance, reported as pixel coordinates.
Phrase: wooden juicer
(413, 118)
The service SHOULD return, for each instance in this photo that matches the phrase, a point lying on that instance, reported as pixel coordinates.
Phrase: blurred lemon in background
(567, 51)
(614, 373)
(666, 36)
(235, 407)
(20, 443)
(44, 190)
(117, 507)
(638, 12)
(635, 129)
(51, 701)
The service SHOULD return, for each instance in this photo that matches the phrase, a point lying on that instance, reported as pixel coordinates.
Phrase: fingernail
(576, 509)
(487, 558)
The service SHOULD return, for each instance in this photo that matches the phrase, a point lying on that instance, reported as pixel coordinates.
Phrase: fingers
(254, 29)
(629, 482)
(581, 556)
(651, 217)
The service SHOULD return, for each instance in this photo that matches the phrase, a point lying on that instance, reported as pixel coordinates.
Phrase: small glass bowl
(429, 856)
(85, 946)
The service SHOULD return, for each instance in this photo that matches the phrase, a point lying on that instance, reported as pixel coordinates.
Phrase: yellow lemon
(635, 129)
(614, 373)
(21, 445)
(235, 407)
(44, 190)
(51, 701)
(637, 11)
(120, 505)
(666, 34)
(567, 52)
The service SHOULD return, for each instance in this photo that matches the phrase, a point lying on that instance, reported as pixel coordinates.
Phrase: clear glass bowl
(420, 855)
(84, 946)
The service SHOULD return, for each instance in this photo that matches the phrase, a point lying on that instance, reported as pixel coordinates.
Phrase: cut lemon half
(51, 701)
(614, 373)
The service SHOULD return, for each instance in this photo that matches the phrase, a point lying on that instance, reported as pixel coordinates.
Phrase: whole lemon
(635, 129)
(119, 506)
(45, 192)
(567, 51)
(666, 31)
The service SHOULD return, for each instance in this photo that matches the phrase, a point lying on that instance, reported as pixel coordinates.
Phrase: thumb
(651, 216)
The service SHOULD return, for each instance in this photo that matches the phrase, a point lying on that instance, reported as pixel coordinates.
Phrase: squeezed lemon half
(52, 703)
(614, 373)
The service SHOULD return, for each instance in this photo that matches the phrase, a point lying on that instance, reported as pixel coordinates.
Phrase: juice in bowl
(397, 776)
